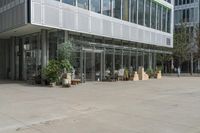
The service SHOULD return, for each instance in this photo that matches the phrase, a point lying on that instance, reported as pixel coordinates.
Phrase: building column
(155, 61)
(12, 58)
(113, 62)
(143, 58)
(150, 60)
(136, 60)
(44, 48)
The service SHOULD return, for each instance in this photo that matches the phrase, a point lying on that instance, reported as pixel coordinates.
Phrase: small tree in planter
(64, 58)
(150, 72)
(51, 72)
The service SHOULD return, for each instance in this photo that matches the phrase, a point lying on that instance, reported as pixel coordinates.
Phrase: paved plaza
(170, 105)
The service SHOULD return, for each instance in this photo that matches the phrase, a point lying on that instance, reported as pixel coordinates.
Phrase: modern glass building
(187, 12)
(106, 35)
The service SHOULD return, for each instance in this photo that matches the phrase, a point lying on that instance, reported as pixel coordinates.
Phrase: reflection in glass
(153, 15)
(134, 11)
(141, 12)
(71, 2)
(83, 4)
(147, 13)
(117, 8)
(96, 6)
(125, 10)
(107, 7)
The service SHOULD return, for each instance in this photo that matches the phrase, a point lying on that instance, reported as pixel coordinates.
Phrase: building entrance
(92, 65)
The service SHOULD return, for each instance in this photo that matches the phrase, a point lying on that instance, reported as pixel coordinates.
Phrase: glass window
(134, 11)
(169, 21)
(71, 2)
(96, 6)
(147, 13)
(117, 8)
(153, 15)
(83, 4)
(141, 12)
(125, 10)
(159, 17)
(107, 7)
(164, 19)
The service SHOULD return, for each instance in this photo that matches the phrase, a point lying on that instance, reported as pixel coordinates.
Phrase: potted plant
(51, 72)
(150, 72)
(126, 74)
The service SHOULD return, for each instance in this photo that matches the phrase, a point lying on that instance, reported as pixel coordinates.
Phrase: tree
(181, 48)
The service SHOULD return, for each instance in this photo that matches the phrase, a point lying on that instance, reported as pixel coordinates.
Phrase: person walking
(179, 71)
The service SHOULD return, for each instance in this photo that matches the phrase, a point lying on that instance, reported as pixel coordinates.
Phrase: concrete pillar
(155, 61)
(150, 60)
(12, 58)
(136, 60)
(143, 58)
(44, 48)
(113, 62)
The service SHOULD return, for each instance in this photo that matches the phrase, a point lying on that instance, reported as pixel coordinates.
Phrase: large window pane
(96, 6)
(164, 19)
(117, 8)
(107, 7)
(159, 17)
(153, 15)
(141, 12)
(71, 2)
(147, 13)
(169, 20)
(83, 4)
(125, 10)
(134, 11)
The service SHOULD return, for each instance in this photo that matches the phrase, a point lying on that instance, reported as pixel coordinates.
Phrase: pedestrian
(179, 71)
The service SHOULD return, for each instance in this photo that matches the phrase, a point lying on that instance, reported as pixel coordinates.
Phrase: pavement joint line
(21, 122)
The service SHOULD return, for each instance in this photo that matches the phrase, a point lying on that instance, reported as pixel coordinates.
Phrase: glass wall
(107, 4)
(134, 11)
(164, 19)
(159, 13)
(125, 10)
(147, 13)
(71, 2)
(153, 15)
(169, 21)
(83, 4)
(144, 12)
(141, 12)
(117, 8)
(96, 6)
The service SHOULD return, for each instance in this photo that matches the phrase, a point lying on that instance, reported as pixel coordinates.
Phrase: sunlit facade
(106, 35)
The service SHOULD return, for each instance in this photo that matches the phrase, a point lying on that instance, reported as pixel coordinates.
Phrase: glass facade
(153, 15)
(141, 12)
(148, 13)
(134, 11)
(83, 4)
(96, 6)
(107, 6)
(117, 8)
(159, 16)
(164, 19)
(70, 2)
(125, 10)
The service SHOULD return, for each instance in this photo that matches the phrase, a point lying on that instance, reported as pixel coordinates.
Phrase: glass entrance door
(92, 67)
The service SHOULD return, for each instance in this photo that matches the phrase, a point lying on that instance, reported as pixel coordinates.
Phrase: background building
(106, 34)
(187, 12)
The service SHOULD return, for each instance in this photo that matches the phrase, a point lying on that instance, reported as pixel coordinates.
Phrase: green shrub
(150, 72)
(51, 72)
